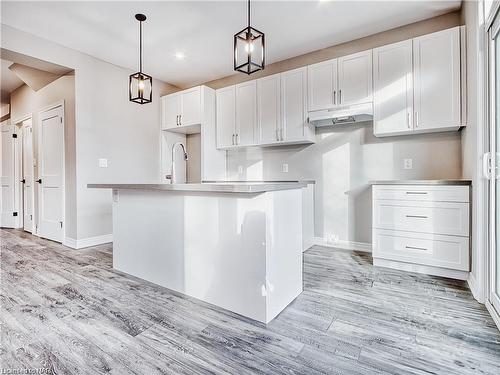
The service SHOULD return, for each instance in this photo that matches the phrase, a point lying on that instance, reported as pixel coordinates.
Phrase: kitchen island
(235, 245)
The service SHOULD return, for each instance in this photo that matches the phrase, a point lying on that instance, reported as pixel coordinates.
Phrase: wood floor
(68, 312)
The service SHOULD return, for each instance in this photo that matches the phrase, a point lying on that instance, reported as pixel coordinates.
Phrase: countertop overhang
(422, 182)
(219, 187)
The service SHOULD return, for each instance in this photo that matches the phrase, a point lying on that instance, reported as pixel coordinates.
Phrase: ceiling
(203, 31)
(8, 81)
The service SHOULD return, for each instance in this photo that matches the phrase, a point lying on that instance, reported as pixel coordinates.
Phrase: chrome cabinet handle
(232, 140)
(415, 248)
(416, 119)
(340, 96)
(237, 141)
(177, 120)
(334, 96)
(281, 134)
(180, 119)
(418, 216)
(416, 192)
(408, 120)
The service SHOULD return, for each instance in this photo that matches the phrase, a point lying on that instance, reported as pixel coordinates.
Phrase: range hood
(342, 115)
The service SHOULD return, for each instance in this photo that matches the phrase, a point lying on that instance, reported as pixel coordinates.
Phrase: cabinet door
(225, 116)
(393, 89)
(268, 108)
(191, 107)
(293, 103)
(322, 85)
(437, 80)
(355, 78)
(246, 113)
(171, 110)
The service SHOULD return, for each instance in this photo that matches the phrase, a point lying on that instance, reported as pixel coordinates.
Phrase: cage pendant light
(249, 49)
(140, 84)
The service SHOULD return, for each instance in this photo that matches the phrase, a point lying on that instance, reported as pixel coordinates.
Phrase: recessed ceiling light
(180, 55)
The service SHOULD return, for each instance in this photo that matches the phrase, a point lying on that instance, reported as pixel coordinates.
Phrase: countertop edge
(422, 182)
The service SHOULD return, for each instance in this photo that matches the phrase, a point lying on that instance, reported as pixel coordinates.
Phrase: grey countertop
(421, 182)
(212, 187)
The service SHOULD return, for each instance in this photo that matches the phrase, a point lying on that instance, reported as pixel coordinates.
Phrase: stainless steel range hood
(342, 115)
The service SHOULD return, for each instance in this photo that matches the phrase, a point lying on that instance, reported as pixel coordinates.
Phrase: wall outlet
(240, 169)
(332, 238)
(408, 164)
(284, 168)
(103, 163)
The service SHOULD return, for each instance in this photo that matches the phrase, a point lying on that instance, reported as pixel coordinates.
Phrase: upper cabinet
(343, 81)
(181, 111)
(226, 116)
(393, 83)
(246, 113)
(417, 85)
(269, 108)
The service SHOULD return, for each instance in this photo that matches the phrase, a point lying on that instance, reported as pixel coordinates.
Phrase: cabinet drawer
(420, 248)
(422, 193)
(428, 217)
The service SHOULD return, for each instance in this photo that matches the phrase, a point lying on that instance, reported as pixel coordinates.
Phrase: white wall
(107, 126)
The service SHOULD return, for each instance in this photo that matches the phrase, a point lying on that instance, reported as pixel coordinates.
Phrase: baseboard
(418, 268)
(494, 314)
(476, 291)
(341, 244)
(87, 242)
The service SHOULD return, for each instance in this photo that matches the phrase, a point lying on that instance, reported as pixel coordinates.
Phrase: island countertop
(210, 187)
(422, 182)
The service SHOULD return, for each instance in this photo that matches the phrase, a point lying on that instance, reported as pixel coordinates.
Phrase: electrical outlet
(103, 163)
(284, 168)
(332, 238)
(240, 169)
(408, 164)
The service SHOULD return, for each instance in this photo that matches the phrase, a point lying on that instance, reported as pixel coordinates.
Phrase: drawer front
(419, 248)
(428, 217)
(422, 193)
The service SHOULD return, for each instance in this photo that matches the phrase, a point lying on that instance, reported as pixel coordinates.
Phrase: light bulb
(141, 84)
(249, 47)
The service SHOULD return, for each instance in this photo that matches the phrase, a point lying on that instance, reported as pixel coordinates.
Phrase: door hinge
(14, 214)
(14, 135)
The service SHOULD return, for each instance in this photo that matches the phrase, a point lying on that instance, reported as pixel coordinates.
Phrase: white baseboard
(477, 292)
(418, 268)
(494, 314)
(87, 242)
(341, 244)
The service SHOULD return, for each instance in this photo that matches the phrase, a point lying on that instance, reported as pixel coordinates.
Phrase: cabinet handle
(415, 248)
(177, 120)
(23, 181)
(180, 120)
(416, 192)
(416, 119)
(237, 141)
(277, 134)
(408, 119)
(334, 96)
(417, 216)
(39, 180)
(281, 134)
(340, 96)
(233, 140)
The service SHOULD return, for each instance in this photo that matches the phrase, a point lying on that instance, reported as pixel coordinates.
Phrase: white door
(171, 111)
(51, 174)
(268, 108)
(191, 107)
(246, 113)
(355, 78)
(225, 116)
(10, 200)
(27, 176)
(393, 89)
(437, 80)
(322, 85)
(294, 103)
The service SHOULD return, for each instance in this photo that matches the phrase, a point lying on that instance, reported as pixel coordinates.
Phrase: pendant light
(140, 84)
(249, 49)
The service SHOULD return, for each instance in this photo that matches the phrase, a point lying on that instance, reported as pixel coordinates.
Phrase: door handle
(23, 181)
(39, 180)
(487, 166)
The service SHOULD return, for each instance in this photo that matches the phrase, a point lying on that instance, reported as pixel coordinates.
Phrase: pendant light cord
(248, 13)
(140, 46)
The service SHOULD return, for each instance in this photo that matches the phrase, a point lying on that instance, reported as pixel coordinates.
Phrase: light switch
(103, 163)
(284, 168)
(408, 164)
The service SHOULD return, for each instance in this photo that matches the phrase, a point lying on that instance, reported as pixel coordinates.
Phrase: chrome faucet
(173, 175)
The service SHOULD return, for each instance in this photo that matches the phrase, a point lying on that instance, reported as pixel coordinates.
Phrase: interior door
(268, 108)
(226, 116)
(171, 111)
(393, 89)
(322, 85)
(355, 78)
(51, 174)
(191, 107)
(437, 79)
(9, 177)
(246, 113)
(293, 103)
(27, 176)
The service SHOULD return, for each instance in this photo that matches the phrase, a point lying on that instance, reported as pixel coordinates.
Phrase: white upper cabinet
(246, 113)
(436, 60)
(355, 78)
(293, 104)
(268, 109)
(226, 116)
(171, 109)
(393, 89)
(322, 85)
(182, 110)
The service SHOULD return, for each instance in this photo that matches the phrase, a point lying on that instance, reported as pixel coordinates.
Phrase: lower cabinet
(422, 228)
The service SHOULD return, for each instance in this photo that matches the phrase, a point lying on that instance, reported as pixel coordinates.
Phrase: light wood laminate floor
(68, 312)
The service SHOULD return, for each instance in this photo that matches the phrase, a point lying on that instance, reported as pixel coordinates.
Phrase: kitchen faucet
(173, 175)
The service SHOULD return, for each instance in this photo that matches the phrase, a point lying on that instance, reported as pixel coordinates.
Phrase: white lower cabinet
(422, 228)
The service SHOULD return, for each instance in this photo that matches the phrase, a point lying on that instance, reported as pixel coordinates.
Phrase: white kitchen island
(235, 245)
